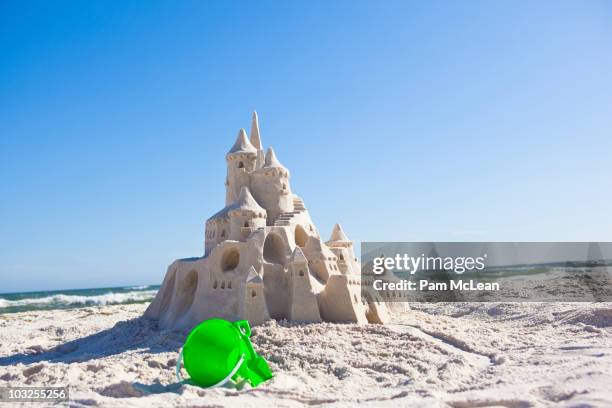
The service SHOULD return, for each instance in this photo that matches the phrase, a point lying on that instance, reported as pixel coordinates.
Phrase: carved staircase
(284, 219)
(298, 204)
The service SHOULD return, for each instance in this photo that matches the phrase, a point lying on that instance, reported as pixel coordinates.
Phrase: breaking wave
(90, 297)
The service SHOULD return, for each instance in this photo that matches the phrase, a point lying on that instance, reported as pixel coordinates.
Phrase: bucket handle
(179, 364)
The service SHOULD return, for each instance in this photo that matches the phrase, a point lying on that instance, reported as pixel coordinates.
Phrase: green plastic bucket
(217, 351)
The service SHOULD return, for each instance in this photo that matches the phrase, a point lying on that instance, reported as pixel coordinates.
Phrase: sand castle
(263, 256)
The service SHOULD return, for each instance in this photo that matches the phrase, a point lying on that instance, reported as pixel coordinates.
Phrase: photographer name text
(425, 285)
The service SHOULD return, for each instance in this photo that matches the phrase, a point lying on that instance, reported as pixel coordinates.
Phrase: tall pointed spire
(242, 144)
(255, 136)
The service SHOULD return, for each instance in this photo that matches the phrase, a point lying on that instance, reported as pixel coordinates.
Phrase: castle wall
(272, 191)
(162, 300)
(341, 302)
(242, 222)
(303, 219)
(346, 260)
(217, 231)
(184, 281)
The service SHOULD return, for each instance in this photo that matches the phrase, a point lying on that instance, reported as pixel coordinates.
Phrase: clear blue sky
(400, 120)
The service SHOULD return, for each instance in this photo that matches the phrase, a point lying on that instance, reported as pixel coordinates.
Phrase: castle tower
(241, 160)
(342, 247)
(245, 216)
(270, 187)
(254, 302)
(303, 305)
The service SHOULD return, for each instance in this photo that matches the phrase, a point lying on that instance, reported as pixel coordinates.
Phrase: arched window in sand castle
(230, 259)
(187, 288)
(241, 165)
(301, 272)
(273, 249)
(300, 236)
(246, 224)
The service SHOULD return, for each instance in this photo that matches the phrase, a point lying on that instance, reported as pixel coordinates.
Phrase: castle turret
(241, 160)
(303, 304)
(342, 247)
(245, 216)
(270, 186)
(254, 308)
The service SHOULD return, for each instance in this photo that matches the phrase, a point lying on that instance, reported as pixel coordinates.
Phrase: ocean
(74, 298)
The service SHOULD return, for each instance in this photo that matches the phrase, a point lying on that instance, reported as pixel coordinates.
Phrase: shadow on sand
(133, 334)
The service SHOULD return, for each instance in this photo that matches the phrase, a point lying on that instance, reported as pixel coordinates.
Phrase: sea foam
(61, 300)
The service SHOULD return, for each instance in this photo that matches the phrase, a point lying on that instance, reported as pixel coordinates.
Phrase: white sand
(438, 355)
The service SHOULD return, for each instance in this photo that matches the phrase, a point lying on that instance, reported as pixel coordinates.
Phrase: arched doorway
(186, 292)
(274, 251)
(301, 237)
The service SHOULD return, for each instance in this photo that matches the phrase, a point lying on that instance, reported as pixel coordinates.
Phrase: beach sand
(435, 355)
